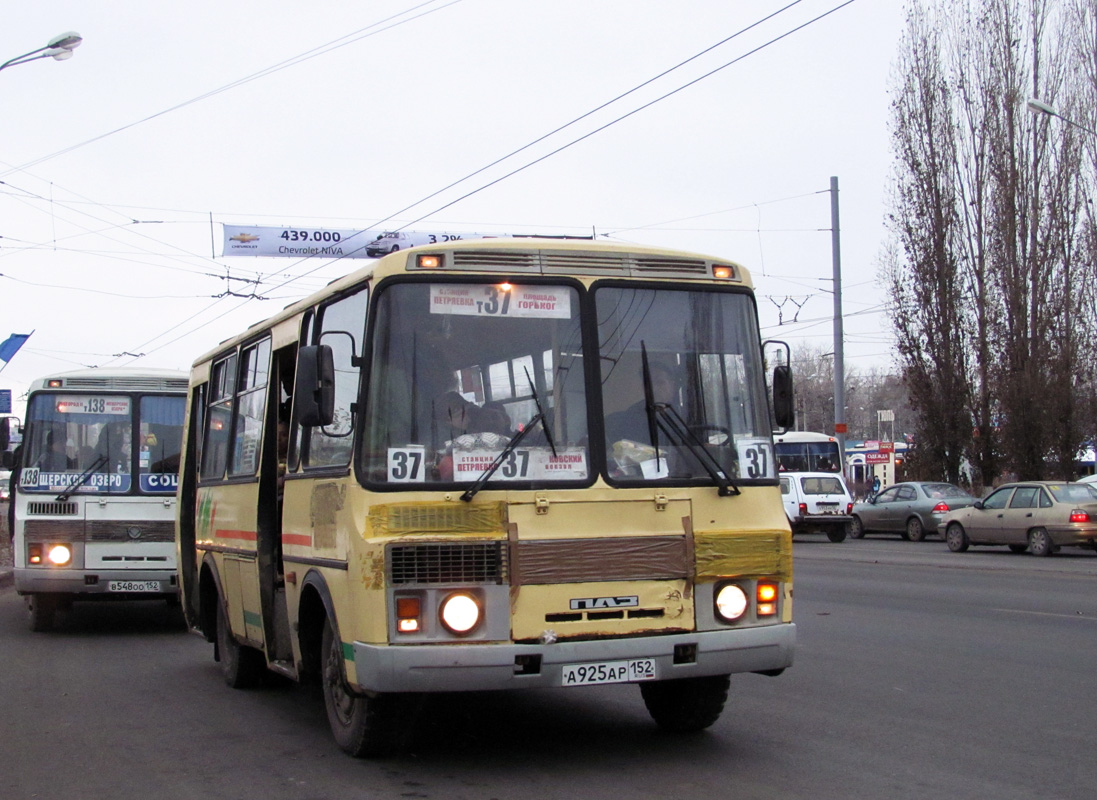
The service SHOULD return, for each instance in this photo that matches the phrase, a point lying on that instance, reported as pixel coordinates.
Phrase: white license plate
(637, 669)
(133, 586)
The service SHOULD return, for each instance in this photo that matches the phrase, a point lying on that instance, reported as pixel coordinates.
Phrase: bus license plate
(133, 586)
(637, 669)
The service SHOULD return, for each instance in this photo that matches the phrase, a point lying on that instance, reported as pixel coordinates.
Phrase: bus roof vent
(126, 383)
(581, 263)
(671, 267)
(495, 260)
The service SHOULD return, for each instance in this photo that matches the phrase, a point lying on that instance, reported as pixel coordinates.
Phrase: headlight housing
(731, 602)
(460, 613)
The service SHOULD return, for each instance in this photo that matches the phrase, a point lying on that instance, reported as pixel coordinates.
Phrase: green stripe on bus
(251, 618)
(348, 651)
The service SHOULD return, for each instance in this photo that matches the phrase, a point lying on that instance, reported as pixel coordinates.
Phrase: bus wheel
(40, 611)
(241, 666)
(363, 726)
(686, 704)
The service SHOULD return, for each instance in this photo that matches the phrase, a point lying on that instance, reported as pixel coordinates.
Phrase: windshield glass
(73, 435)
(703, 359)
(457, 370)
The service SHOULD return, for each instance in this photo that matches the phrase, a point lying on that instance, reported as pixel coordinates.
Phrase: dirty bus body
(530, 464)
(95, 499)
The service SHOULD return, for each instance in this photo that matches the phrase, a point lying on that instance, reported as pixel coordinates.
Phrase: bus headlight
(460, 613)
(59, 555)
(731, 602)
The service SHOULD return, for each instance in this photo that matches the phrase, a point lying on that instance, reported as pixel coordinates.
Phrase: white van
(817, 502)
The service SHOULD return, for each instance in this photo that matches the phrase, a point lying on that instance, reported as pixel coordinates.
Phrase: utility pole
(839, 337)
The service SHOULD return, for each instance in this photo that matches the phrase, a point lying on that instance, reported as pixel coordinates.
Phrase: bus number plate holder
(637, 669)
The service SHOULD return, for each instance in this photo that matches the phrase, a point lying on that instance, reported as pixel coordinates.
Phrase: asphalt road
(920, 673)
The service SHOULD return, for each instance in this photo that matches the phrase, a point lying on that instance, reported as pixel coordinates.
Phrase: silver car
(911, 509)
(1037, 516)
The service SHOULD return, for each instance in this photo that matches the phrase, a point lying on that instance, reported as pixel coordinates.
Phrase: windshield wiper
(513, 443)
(662, 416)
(478, 484)
(81, 480)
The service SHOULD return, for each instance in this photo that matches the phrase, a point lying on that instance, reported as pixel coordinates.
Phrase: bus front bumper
(113, 582)
(479, 667)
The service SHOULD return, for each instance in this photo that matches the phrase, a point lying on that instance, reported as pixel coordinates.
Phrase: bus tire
(363, 726)
(241, 666)
(40, 611)
(687, 704)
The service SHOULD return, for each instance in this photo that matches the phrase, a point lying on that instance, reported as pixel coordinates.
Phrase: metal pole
(839, 356)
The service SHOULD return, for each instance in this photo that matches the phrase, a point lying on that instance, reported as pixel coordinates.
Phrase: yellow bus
(493, 464)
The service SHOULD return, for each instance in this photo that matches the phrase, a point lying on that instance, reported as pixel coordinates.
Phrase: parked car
(817, 502)
(1037, 516)
(1088, 478)
(911, 509)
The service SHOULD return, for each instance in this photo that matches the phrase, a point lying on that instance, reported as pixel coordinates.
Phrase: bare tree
(986, 225)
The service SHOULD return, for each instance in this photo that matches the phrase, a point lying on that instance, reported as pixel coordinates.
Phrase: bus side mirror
(783, 411)
(314, 386)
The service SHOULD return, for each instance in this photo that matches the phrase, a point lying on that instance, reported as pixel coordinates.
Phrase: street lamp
(59, 48)
(1040, 107)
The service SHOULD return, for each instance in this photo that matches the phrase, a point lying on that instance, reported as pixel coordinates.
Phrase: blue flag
(10, 346)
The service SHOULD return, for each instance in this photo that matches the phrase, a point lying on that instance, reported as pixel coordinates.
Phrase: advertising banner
(305, 242)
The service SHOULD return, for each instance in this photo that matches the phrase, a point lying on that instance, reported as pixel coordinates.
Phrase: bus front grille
(436, 563)
(130, 531)
(52, 509)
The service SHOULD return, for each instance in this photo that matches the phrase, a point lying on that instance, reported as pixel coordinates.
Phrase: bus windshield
(698, 350)
(460, 369)
(89, 442)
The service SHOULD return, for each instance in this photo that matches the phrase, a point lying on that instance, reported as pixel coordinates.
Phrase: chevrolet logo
(244, 238)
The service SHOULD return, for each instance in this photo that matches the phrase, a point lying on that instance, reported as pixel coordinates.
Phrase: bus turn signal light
(407, 614)
(766, 594)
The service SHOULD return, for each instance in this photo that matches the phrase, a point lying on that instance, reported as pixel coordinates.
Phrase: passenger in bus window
(633, 423)
(56, 458)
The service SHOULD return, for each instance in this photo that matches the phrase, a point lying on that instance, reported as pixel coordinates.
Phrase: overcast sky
(120, 165)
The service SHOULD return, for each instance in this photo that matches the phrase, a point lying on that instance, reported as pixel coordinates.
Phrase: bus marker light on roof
(505, 286)
(430, 261)
(720, 271)
(54, 384)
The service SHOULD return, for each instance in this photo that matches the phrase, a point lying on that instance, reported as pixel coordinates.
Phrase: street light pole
(1040, 107)
(59, 48)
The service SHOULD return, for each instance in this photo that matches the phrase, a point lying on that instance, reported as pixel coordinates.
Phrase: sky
(120, 166)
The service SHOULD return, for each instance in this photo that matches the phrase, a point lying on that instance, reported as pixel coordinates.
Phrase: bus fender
(210, 593)
(315, 604)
